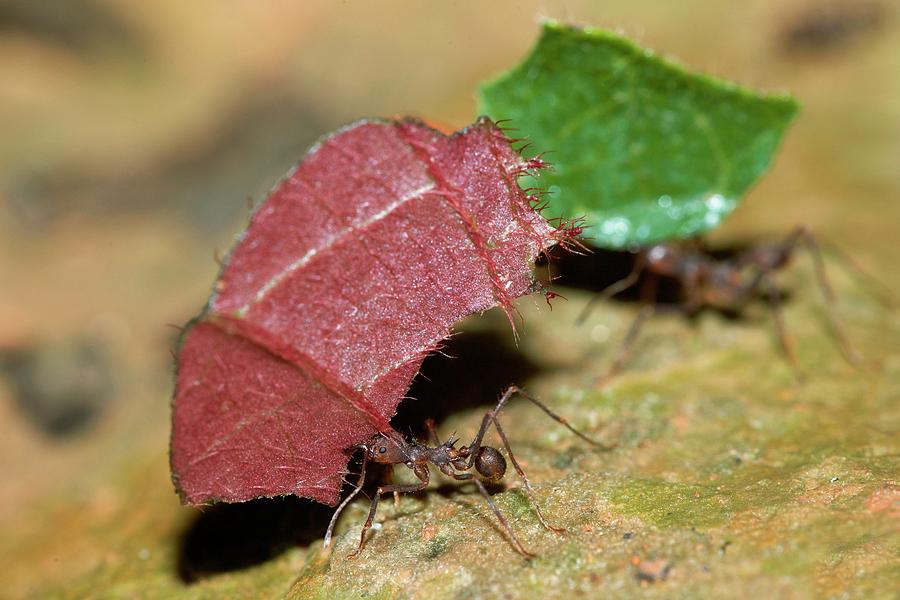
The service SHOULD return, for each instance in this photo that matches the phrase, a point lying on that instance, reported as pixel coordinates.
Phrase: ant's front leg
(388, 480)
(421, 472)
(359, 485)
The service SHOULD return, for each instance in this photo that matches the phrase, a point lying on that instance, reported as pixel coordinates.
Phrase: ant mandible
(725, 284)
(489, 465)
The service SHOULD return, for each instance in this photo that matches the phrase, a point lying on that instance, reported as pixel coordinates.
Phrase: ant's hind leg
(883, 294)
(512, 536)
(837, 329)
(486, 421)
(527, 484)
(491, 417)
(447, 470)
(561, 420)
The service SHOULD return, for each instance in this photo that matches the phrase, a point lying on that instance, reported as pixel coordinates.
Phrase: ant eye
(382, 450)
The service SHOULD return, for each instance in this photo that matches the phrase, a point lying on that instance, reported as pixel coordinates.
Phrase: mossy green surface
(726, 469)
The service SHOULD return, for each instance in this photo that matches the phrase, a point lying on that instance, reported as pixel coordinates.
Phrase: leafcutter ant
(487, 463)
(725, 284)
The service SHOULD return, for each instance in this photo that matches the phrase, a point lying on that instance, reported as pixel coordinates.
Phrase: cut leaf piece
(645, 150)
(351, 271)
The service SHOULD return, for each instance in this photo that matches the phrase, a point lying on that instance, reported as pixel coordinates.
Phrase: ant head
(490, 464)
(386, 449)
(664, 259)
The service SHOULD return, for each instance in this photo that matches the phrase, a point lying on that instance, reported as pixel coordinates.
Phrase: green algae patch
(668, 504)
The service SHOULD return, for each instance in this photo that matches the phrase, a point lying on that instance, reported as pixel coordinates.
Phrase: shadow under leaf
(598, 269)
(231, 537)
(473, 370)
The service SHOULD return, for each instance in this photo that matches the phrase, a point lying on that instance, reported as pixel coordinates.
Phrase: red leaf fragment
(354, 268)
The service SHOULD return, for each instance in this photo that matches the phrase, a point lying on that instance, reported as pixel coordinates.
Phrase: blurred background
(133, 135)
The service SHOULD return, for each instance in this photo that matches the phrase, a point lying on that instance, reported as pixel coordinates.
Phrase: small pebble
(653, 570)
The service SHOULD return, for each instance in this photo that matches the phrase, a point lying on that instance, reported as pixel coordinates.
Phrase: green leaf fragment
(643, 149)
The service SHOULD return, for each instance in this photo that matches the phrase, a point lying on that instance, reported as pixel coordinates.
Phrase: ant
(489, 465)
(724, 284)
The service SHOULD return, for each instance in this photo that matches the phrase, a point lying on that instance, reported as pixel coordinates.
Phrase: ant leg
(435, 441)
(850, 355)
(420, 471)
(786, 342)
(762, 279)
(884, 294)
(485, 423)
(432, 432)
(475, 446)
(614, 288)
(648, 307)
(362, 479)
(491, 416)
(692, 289)
(561, 420)
(527, 484)
(512, 536)
(516, 543)
(389, 479)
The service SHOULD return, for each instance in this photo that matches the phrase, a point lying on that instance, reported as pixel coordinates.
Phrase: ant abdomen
(490, 464)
